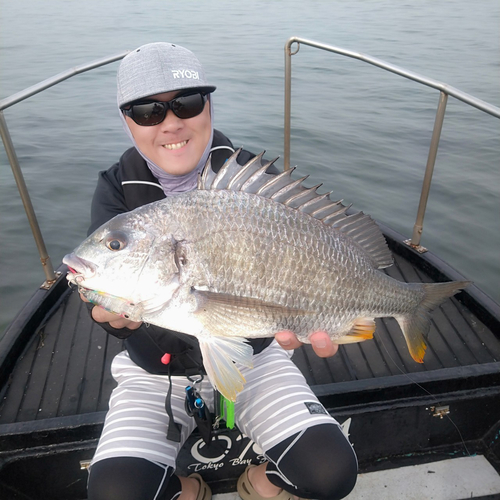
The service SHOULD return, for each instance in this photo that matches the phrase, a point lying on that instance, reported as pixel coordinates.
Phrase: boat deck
(55, 392)
(55, 378)
(65, 369)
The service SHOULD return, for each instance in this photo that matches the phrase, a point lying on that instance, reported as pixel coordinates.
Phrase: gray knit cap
(156, 68)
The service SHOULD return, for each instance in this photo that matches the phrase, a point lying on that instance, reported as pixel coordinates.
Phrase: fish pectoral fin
(363, 329)
(219, 357)
(224, 303)
(153, 305)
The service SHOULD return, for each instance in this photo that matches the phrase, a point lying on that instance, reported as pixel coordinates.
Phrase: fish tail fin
(219, 357)
(416, 326)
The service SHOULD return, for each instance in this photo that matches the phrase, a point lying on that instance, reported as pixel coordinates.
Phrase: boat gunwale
(366, 399)
(475, 299)
(20, 332)
(23, 329)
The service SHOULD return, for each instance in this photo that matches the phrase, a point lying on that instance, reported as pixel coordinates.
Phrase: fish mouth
(79, 269)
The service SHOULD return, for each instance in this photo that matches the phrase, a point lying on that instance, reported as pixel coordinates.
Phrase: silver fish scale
(246, 255)
(248, 246)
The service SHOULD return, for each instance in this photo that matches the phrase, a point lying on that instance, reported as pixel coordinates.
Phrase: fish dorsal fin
(253, 178)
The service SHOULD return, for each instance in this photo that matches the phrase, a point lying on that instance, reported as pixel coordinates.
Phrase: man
(167, 110)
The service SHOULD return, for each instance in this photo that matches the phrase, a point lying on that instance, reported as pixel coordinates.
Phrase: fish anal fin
(219, 357)
(363, 329)
(418, 352)
(414, 330)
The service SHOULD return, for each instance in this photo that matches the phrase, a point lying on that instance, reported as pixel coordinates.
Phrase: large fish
(246, 255)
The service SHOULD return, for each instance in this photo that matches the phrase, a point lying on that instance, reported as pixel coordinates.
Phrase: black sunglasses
(148, 113)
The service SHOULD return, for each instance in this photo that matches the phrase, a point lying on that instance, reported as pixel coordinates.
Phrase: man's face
(175, 145)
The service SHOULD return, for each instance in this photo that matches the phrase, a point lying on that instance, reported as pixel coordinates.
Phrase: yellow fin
(219, 357)
(414, 329)
(417, 351)
(363, 329)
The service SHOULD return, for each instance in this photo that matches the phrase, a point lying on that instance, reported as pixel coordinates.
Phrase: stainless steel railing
(444, 89)
(50, 275)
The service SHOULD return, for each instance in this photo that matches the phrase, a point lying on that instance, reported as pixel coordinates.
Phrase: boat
(55, 379)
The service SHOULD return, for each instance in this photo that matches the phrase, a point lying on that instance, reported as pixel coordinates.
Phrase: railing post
(431, 160)
(288, 101)
(445, 90)
(28, 207)
(50, 275)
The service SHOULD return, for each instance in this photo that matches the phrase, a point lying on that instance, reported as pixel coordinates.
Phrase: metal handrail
(50, 275)
(445, 91)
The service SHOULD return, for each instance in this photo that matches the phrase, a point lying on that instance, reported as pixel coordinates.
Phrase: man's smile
(177, 145)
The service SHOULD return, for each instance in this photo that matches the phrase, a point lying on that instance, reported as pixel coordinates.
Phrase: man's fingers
(102, 316)
(320, 341)
(287, 340)
(125, 323)
(322, 345)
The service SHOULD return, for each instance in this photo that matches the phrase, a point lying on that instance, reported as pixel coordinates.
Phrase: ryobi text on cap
(185, 73)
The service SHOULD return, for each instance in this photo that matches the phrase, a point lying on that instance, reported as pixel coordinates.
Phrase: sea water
(362, 132)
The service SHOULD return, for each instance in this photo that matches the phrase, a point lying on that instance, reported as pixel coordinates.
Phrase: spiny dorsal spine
(252, 178)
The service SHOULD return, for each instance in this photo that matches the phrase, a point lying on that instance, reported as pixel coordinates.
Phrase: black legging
(319, 464)
(130, 478)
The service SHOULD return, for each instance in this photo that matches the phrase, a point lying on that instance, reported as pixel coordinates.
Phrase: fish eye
(116, 240)
(114, 245)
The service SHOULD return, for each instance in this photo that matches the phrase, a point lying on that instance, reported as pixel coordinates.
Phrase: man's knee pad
(316, 463)
(130, 478)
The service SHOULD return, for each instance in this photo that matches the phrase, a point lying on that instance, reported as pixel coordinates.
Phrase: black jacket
(125, 186)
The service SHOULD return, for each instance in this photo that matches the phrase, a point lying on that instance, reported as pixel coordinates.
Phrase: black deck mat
(66, 369)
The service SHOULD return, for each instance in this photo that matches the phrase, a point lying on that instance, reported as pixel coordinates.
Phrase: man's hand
(320, 341)
(102, 316)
